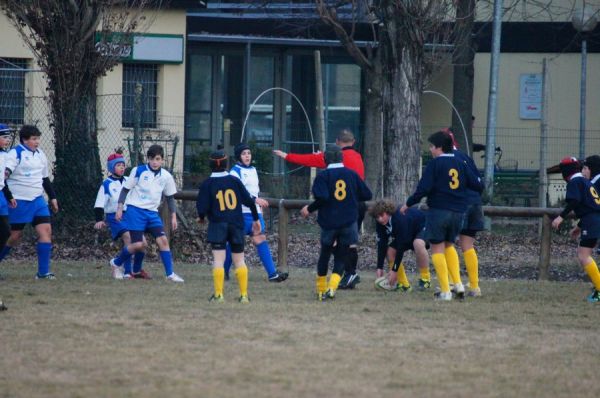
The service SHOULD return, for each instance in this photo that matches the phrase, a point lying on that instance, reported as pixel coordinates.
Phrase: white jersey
(147, 187)
(108, 194)
(28, 169)
(249, 177)
(2, 167)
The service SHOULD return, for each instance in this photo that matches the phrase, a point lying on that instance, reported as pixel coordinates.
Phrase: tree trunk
(372, 133)
(464, 72)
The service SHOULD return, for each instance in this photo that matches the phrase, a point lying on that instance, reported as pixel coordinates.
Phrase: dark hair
(333, 154)
(593, 163)
(154, 151)
(217, 161)
(28, 131)
(383, 206)
(441, 140)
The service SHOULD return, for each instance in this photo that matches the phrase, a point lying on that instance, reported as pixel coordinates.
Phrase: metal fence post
(282, 241)
(545, 247)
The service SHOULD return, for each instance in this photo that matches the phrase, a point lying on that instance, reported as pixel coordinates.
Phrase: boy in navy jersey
(143, 192)
(583, 199)
(28, 179)
(220, 199)
(445, 182)
(337, 191)
(105, 210)
(406, 232)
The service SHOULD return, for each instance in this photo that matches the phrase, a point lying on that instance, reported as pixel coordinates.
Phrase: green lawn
(86, 335)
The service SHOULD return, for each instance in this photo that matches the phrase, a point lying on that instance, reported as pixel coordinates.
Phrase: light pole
(584, 21)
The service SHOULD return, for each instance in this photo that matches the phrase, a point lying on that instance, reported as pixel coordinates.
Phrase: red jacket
(352, 160)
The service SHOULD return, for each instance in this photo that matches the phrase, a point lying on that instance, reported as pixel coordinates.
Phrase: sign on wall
(142, 47)
(530, 96)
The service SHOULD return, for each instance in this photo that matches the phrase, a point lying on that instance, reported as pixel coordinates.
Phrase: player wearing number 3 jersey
(337, 191)
(220, 199)
(445, 183)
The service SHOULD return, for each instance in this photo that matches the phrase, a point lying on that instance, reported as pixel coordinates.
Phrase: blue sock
(228, 259)
(167, 261)
(44, 251)
(265, 256)
(4, 252)
(122, 257)
(127, 265)
(138, 259)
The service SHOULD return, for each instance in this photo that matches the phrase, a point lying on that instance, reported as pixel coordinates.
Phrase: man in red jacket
(352, 160)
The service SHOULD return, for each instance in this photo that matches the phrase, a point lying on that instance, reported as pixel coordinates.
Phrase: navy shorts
(28, 210)
(443, 225)
(473, 221)
(590, 229)
(221, 233)
(344, 236)
(116, 228)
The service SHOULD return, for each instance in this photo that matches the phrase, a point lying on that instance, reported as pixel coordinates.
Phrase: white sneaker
(175, 278)
(459, 291)
(440, 296)
(118, 272)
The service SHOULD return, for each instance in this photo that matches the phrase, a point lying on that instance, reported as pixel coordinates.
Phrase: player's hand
(256, 227)
(200, 220)
(304, 211)
(556, 222)
(575, 232)
(12, 204)
(99, 225)
(119, 214)
(279, 153)
(379, 273)
(174, 222)
(403, 209)
(54, 205)
(261, 202)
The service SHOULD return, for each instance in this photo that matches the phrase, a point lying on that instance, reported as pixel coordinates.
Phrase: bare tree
(62, 36)
(403, 28)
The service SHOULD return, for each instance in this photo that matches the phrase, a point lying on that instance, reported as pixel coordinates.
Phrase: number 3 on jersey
(340, 190)
(226, 200)
(454, 182)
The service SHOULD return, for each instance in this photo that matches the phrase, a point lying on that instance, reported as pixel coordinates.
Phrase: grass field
(85, 335)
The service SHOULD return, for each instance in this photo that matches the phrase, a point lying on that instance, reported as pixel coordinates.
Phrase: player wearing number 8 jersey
(445, 182)
(220, 199)
(583, 199)
(337, 191)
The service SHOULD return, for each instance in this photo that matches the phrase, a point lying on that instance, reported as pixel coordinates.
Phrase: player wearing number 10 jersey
(337, 191)
(220, 198)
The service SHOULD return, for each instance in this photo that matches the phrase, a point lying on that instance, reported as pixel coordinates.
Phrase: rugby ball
(382, 283)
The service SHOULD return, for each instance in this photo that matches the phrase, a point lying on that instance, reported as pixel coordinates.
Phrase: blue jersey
(445, 183)
(220, 198)
(473, 197)
(582, 195)
(337, 191)
(402, 228)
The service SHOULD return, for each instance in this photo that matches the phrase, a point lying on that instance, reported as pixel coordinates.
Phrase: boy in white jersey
(249, 177)
(27, 172)
(6, 199)
(106, 205)
(142, 192)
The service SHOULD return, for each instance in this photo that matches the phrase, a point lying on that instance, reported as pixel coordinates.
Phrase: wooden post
(545, 247)
(282, 241)
(165, 215)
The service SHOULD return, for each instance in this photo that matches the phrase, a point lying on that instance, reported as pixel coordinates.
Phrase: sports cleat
(141, 275)
(118, 272)
(329, 295)
(349, 281)
(424, 285)
(459, 291)
(2, 306)
(128, 276)
(175, 278)
(594, 297)
(216, 299)
(227, 276)
(244, 299)
(403, 289)
(279, 277)
(49, 276)
(439, 296)
(474, 292)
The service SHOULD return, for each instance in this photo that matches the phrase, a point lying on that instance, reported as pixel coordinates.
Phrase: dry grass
(86, 335)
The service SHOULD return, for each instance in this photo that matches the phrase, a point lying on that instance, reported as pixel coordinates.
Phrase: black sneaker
(353, 280)
(278, 277)
(344, 282)
(2, 306)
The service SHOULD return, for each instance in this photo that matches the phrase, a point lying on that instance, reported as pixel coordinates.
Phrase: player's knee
(258, 239)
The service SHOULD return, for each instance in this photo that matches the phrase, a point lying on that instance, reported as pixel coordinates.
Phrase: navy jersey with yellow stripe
(473, 197)
(220, 198)
(403, 228)
(583, 195)
(445, 182)
(339, 190)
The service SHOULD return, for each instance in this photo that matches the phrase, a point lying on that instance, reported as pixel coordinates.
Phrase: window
(12, 90)
(147, 76)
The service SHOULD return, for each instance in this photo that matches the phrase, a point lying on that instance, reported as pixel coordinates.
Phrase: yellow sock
(390, 265)
(425, 275)
(453, 264)
(334, 281)
(402, 279)
(441, 269)
(592, 270)
(472, 265)
(321, 284)
(218, 280)
(241, 274)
